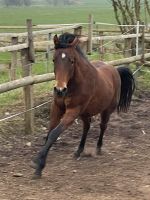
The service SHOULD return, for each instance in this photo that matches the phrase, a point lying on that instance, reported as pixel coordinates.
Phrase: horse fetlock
(77, 153)
(38, 164)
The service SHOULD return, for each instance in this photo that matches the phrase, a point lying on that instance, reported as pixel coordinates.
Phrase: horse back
(98, 64)
(107, 88)
(106, 73)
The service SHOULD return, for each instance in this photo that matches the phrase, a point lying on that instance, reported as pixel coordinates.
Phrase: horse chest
(68, 101)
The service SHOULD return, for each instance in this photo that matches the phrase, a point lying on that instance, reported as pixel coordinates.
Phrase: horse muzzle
(61, 92)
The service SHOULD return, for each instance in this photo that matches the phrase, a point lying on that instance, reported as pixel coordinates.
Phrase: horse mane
(65, 40)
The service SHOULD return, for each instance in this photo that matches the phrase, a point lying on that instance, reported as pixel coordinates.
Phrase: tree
(27, 2)
(49, 1)
(64, 2)
(17, 2)
(128, 12)
(53, 2)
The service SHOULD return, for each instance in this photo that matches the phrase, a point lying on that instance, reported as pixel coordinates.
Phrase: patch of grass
(42, 67)
(5, 57)
(52, 15)
(144, 78)
(11, 97)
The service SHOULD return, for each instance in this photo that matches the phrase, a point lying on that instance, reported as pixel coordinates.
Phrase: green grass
(52, 15)
(143, 79)
(5, 57)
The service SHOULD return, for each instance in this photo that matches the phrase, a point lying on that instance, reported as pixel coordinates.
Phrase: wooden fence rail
(29, 80)
(40, 32)
(129, 60)
(18, 47)
(117, 37)
(41, 26)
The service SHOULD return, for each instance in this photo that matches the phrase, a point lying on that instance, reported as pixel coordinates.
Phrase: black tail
(127, 88)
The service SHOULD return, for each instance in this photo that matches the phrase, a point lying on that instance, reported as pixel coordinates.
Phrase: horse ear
(56, 40)
(75, 42)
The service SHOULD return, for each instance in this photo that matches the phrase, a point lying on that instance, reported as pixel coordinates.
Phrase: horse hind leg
(105, 115)
(86, 127)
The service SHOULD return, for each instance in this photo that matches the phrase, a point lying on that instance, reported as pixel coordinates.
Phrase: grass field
(52, 15)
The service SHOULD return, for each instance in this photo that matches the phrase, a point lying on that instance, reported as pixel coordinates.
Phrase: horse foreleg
(105, 115)
(40, 161)
(55, 117)
(86, 126)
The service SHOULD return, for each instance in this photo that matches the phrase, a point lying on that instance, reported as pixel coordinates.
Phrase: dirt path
(122, 172)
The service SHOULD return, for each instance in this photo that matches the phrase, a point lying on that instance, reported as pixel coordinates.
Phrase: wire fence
(23, 112)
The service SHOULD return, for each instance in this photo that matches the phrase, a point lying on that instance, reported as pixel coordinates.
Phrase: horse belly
(97, 106)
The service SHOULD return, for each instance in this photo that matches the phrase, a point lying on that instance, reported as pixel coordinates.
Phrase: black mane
(65, 40)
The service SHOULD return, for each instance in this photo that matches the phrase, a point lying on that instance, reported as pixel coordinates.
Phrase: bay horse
(83, 89)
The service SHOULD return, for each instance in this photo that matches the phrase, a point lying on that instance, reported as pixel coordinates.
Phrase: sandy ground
(122, 172)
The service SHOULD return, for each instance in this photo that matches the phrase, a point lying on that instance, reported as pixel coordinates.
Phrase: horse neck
(84, 68)
(83, 73)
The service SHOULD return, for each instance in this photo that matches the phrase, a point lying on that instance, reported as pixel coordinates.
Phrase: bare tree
(65, 2)
(147, 6)
(128, 12)
(17, 2)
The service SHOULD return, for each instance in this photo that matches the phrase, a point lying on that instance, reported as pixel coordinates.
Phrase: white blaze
(63, 55)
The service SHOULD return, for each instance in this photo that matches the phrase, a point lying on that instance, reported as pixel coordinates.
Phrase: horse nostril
(60, 91)
(64, 90)
(55, 89)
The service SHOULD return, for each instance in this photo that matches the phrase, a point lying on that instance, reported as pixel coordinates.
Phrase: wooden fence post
(101, 46)
(139, 48)
(48, 52)
(30, 41)
(27, 59)
(143, 42)
(78, 31)
(90, 34)
(137, 38)
(14, 40)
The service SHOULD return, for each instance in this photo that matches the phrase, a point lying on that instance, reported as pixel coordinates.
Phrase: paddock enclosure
(122, 171)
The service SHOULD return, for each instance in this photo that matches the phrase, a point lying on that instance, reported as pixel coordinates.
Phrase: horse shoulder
(98, 64)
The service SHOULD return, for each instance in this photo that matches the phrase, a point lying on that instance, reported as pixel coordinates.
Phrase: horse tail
(127, 89)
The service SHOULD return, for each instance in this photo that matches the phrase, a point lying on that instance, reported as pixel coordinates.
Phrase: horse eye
(72, 61)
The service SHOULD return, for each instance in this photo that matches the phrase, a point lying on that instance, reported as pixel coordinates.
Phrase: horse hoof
(36, 176)
(76, 155)
(98, 151)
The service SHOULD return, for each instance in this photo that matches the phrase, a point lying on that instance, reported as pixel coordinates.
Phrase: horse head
(64, 61)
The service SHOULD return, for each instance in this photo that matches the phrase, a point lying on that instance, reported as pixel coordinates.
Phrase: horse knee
(69, 117)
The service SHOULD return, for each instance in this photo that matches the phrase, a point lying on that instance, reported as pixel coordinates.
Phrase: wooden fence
(28, 57)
